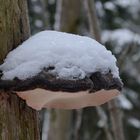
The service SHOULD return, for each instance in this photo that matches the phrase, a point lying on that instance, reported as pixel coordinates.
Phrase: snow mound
(72, 56)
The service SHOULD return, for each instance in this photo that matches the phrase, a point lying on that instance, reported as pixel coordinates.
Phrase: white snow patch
(110, 6)
(131, 94)
(131, 5)
(37, 9)
(99, 8)
(134, 122)
(125, 103)
(127, 3)
(73, 56)
(38, 23)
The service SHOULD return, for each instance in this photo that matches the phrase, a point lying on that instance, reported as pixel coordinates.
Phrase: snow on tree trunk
(17, 121)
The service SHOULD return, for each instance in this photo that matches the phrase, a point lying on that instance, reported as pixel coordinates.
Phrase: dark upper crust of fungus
(45, 80)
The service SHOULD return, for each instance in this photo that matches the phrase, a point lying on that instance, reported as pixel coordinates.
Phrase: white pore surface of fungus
(73, 56)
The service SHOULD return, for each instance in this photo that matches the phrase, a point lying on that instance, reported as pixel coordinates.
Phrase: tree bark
(116, 120)
(92, 19)
(59, 125)
(17, 121)
(67, 15)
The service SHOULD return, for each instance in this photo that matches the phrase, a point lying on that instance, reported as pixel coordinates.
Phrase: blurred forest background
(116, 24)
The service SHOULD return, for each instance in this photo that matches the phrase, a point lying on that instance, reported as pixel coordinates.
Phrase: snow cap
(72, 56)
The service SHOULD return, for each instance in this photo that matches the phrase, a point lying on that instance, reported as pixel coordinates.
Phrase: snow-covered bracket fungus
(59, 70)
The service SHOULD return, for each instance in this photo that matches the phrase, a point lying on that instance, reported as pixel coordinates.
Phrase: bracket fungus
(60, 70)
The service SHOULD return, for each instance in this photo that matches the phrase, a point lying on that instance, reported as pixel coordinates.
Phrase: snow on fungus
(72, 56)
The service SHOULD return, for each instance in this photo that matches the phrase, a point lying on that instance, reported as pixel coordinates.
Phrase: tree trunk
(67, 15)
(116, 120)
(17, 121)
(59, 125)
(92, 19)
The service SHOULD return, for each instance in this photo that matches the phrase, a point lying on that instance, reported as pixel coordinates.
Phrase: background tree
(17, 121)
(115, 113)
(38, 15)
(121, 35)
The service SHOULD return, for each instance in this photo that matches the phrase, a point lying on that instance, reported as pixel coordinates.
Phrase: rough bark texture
(17, 121)
(14, 27)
